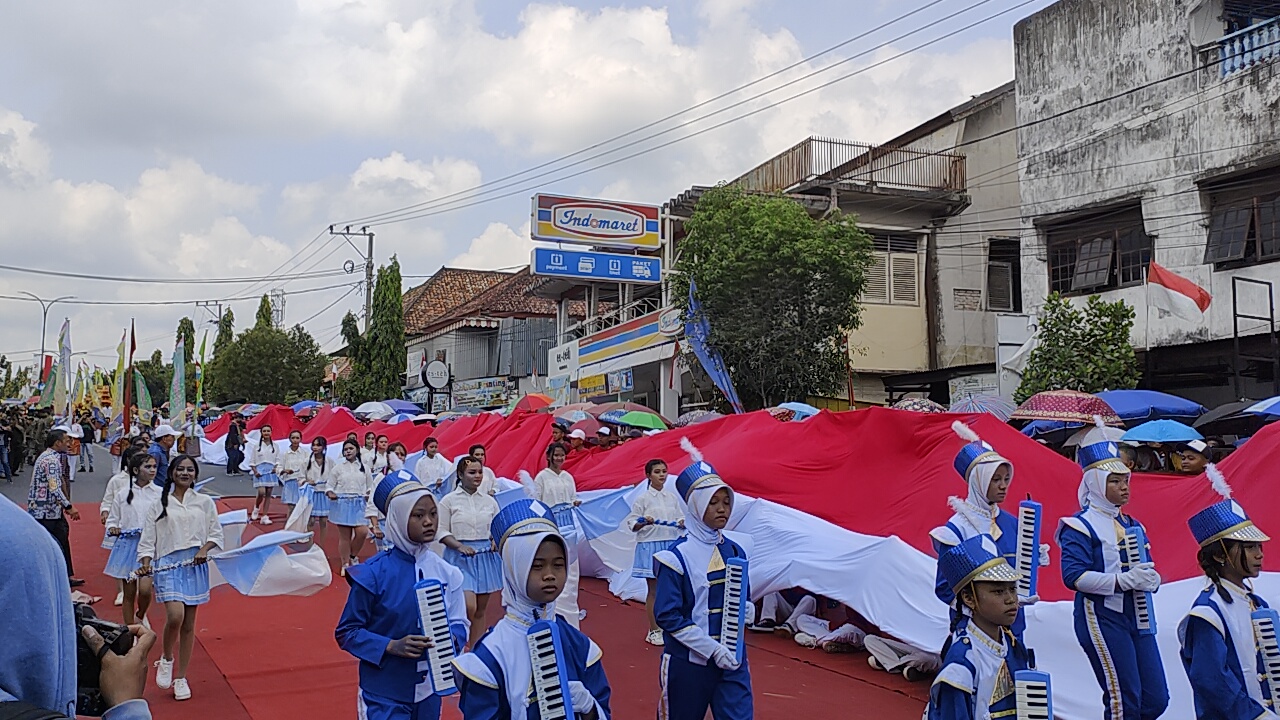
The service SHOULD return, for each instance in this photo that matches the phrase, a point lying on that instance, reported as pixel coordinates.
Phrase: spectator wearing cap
(165, 437)
(1194, 456)
(577, 439)
(605, 438)
(558, 431)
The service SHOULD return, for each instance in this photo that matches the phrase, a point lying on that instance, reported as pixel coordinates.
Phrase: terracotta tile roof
(509, 298)
(443, 293)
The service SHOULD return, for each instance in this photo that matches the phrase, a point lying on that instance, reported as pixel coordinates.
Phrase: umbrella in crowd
(249, 409)
(1067, 406)
(402, 406)
(1162, 431)
(588, 425)
(612, 416)
(1230, 419)
(399, 418)
(573, 416)
(645, 420)
(375, 410)
(1269, 407)
(782, 414)
(597, 410)
(989, 404)
(914, 404)
(1139, 405)
(802, 410)
(533, 402)
(467, 410)
(424, 417)
(693, 417)
(298, 407)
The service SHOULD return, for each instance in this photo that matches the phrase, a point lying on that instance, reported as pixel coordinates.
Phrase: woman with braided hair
(1220, 651)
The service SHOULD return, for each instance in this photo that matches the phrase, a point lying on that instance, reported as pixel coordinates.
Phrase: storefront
(631, 361)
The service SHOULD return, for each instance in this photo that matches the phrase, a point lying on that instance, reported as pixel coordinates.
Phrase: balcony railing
(1250, 47)
(824, 160)
(628, 312)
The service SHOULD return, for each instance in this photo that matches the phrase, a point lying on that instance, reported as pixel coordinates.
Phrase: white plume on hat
(965, 432)
(526, 480)
(694, 453)
(1218, 480)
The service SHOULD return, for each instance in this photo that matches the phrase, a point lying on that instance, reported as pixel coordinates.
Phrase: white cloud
(498, 247)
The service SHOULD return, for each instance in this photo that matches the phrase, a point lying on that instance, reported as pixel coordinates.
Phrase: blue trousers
(689, 689)
(377, 707)
(1126, 663)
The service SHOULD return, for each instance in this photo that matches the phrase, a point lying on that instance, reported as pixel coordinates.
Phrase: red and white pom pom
(1218, 480)
(955, 503)
(965, 432)
(694, 453)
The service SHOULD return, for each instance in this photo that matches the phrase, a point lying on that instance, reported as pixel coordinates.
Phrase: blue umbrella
(989, 404)
(612, 416)
(1137, 405)
(1038, 428)
(403, 406)
(399, 418)
(1270, 406)
(1162, 431)
(802, 410)
(305, 405)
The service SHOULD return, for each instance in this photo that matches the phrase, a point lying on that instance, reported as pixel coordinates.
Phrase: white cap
(63, 428)
(1199, 446)
(578, 434)
(165, 431)
(604, 431)
(76, 431)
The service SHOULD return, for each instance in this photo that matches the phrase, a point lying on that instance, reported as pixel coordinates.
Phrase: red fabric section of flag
(1176, 283)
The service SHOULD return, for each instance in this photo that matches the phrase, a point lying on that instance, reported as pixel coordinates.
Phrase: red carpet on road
(276, 659)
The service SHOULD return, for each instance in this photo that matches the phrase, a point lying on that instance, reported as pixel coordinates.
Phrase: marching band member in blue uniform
(496, 677)
(989, 476)
(381, 624)
(698, 671)
(1219, 648)
(976, 680)
(1126, 663)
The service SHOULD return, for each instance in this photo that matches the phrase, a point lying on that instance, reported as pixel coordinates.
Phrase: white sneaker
(804, 639)
(181, 690)
(164, 674)
(265, 520)
(144, 622)
(119, 598)
(254, 516)
(654, 637)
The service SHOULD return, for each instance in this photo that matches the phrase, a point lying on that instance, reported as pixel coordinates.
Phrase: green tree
(1085, 349)
(354, 388)
(186, 333)
(779, 289)
(264, 318)
(268, 365)
(13, 384)
(226, 331)
(378, 356)
(157, 374)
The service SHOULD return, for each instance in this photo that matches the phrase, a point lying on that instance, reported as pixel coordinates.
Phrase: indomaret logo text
(598, 221)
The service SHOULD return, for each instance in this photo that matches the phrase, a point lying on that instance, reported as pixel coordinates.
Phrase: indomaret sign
(603, 223)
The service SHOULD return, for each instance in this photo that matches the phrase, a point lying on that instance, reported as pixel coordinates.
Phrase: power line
(169, 281)
(175, 302)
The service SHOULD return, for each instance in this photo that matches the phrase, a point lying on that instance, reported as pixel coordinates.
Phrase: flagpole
(1146, 292)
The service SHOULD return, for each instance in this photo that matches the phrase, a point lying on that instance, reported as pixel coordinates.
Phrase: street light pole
(44, 321)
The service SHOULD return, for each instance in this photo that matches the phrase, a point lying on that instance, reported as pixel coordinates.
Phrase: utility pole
(346, 234)
(44, 320)
(277, 307)
(214, 308)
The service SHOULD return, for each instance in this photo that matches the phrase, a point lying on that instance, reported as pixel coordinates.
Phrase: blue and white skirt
(188, 584)
(290, 493)
(266, 480)
(124, 555)
(348, 511)
(642, 566)
(563, 513)
(319, 501)
(108, 541)
(482, 572)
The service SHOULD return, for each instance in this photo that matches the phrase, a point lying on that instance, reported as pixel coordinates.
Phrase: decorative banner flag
(50, 388)
(602, 515)
(262, 568)
(126, 405)
(195, 420)
(697, 331)
(178, 386)
(1172, 294)
(144, 396)
(118, 404)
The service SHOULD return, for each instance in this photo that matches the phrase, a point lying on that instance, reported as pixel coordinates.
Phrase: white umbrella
(375, 410)
(424, 417)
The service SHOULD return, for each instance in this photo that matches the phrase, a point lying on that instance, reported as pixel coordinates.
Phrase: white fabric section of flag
(1175, 295)
(233, 524)
(262, 567)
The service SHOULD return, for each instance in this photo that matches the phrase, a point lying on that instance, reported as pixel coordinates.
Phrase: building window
(1105, 251)
(1243, 232)
(894, 275)
(1004, 276)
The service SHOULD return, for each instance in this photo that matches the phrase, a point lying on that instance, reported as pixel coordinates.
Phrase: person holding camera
(48, 666)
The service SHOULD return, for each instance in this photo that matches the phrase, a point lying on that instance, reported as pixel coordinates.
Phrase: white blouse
(346, 478)
(264, 453)
(295, 460)
(190, 522)
(488, 485)
(133, 515)
(555, 488)
(366, 456)
(430, 470)
(379, 464)
(659, 505)
(466, 516)
(118, 482)
(314, 474)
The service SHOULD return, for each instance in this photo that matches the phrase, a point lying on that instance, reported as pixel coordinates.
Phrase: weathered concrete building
(1151, 131)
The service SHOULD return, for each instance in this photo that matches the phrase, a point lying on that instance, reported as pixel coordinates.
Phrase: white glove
(1025, 601)
(1142, 577)
(583, 701)
(1044, 554)
(725, 658)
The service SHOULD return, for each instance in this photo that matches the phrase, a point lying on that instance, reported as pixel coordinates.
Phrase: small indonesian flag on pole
(1173, 294)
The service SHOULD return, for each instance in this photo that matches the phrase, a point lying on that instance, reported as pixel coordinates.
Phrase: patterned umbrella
(782, 414)
(573, 416)
(915, 404)
(693, 417)
(989, 404)
(534, 402)
(613, 416)
(1068, 406)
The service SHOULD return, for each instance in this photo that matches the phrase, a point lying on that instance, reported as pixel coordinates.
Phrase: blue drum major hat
(1102, 456)
(1225, 519)
(975, 452)
(393, 485)
(975, 560)
(699, 474)
(525, 516)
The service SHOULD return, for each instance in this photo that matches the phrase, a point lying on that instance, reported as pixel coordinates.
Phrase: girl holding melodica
(465, 516)
(128, 515)
(349, 487)
(293, 465)
(556, 488)
(512, 672)
(1222, 648)
(313, 487)
(264, 464)
(181, 528)
(657, 520)
(381, 624)
(1109, 588)
(698, 670)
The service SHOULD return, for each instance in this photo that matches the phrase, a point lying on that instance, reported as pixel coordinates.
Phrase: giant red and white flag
(1176, 295)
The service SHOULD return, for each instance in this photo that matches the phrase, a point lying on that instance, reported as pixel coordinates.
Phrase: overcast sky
(170, 139)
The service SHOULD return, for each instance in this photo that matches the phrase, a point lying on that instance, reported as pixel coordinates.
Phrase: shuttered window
(1093, 264)
(894, 275)
(877, 288)
(904, 272)
(1000, 286)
